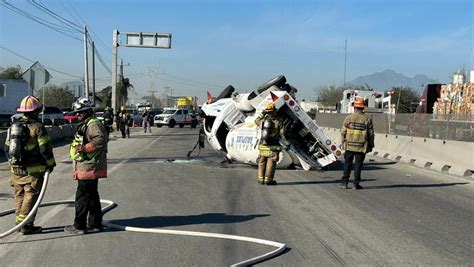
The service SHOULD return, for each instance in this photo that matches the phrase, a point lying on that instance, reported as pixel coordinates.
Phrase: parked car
(173, 116)
(70, 117)
(52, 116)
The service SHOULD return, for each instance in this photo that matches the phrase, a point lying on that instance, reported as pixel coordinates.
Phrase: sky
(244, 43)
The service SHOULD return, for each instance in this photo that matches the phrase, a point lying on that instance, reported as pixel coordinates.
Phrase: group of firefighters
(30, 153)
(357, 139)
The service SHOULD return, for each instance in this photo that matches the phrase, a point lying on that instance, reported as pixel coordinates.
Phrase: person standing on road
(272, 130)
(89, 153)
(108, 119)
(125, 119)
(357, 139)
(146, 120)
(30, 153)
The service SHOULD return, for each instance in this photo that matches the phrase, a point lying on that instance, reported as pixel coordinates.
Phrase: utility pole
(93, 73)
(114, 73)
(159, 40)
(86, 64)
(345, 62)
(152, 72)
(168, 92)
(122, 100)
(153, 97)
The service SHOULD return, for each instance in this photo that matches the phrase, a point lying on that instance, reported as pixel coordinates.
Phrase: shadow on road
(336, 181)
(5, 196)
(412, 185)
(46, 230)
(368, 166)
(205, 218)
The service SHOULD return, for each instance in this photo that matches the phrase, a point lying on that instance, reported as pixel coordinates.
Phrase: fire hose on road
(280, 247)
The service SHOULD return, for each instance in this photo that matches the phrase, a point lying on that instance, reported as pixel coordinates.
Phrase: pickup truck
(172, 117)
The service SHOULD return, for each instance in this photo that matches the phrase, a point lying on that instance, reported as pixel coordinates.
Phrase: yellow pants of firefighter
(27, 189)
(266, 165)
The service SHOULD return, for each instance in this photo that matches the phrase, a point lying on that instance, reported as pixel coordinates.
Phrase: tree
(104, 97)
(123, 86)
(409, 99)
(329, 95)
(11, 73)
(57, 96)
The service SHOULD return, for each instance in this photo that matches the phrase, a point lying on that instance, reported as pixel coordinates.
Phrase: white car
(172, 117)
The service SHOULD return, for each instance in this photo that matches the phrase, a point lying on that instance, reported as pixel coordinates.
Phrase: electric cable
(32, 61)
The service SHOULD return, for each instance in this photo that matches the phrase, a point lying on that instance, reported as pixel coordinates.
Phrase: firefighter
(89, 153)
(30, 153)
(194, 120)
(125, 120)
(108, 119)
(146, 117)
(357, 139)
(272, 130)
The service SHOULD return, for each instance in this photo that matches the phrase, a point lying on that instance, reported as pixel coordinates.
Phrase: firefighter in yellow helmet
(125, 120)
(272, 130)
(30, 153)
(357, 139)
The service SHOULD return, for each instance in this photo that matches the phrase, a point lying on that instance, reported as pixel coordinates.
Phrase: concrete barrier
(55, 132)
(451, 157)
(3, 138)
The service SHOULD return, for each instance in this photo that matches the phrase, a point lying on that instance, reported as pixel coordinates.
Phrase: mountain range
(387, 79)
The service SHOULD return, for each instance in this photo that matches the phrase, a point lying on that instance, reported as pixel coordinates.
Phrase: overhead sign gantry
(139, 40)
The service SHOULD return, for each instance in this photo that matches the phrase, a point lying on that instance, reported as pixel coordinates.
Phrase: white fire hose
(280, 247)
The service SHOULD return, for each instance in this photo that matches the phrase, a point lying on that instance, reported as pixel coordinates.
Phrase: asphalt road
(404, 216)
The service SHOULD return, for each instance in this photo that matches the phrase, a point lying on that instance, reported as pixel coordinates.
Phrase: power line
(32, 61)
(79, 16)
(53, 26)
(56, 16)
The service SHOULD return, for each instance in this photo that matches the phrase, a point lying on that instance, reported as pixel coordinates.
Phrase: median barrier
(3, 138)
(445, 156)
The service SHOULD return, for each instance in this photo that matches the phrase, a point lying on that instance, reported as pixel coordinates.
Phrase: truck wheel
(278, 81)
(159, 125)
(171, 124)
(181, 125)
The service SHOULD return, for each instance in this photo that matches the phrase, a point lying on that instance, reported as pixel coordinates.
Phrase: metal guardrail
(446, 127)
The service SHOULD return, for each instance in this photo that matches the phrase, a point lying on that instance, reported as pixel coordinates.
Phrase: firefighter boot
(30, 229)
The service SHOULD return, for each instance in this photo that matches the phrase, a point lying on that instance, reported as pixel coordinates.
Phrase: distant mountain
(388, 78)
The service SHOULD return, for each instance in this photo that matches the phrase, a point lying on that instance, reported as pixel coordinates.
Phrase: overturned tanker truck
(229, 127)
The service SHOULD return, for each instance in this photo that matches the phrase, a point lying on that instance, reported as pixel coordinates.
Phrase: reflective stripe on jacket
(93, 164)
(38, 148)
(357, 133)
(277, 132)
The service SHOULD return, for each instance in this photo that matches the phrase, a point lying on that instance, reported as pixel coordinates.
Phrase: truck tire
(172, 123)
(278, 81)
(159, 125)
(181, 125)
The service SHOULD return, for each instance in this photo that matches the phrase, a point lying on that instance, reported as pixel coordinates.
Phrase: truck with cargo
(11, 94)
(446, 110)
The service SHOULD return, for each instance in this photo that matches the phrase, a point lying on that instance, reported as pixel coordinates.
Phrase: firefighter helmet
(270, 107)
(29, 104)
(122, 108)
(82, 104)
(359, 102)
